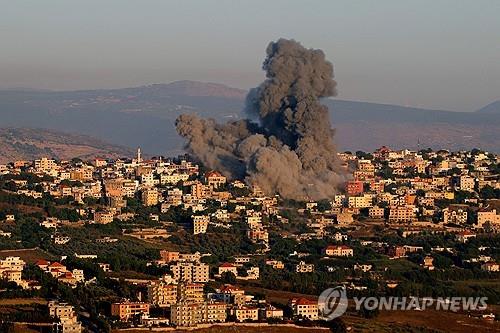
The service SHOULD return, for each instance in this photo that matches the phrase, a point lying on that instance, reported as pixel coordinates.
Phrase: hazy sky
(435, 53)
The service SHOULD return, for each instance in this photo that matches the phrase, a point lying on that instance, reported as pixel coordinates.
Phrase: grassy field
(276, 296)
(400, 264)
(386, 322)
(18, 328)
(28, 255)
(21, 301)
(240, 329)
(483, 283)
(441, 321)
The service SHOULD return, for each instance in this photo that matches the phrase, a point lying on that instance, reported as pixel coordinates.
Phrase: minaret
(139, 155)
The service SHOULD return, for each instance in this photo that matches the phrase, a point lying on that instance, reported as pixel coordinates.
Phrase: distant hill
(195, 88)
(30, 144)
(493, 108)
(145, 116)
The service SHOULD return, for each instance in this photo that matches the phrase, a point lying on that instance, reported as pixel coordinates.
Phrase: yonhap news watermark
(333, 303)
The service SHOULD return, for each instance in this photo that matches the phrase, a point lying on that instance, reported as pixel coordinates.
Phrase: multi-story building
(45, 164)
(363, 201)
(215, 179)
(276, 264)
(127, 310)
(169, 256)
(82, 174)
(246, 313)
(304, 308)
(200, 224)
(189, 314)
(402, 214)
(129, 187)
(173, 256)
(191, 292)
(428, 263)
(228, 268)
(354, 187)
(456, 215)
(230, 294)
(103, 217)
(11, 269)
(376, 212)
(302, 267)
(487, 216)
(150, 197)
(344, 218)
(490, 266)
(12, 263)
(113, 187)
(215, 312)
(271, 312)
(68, 321)
(173, 178)
(61, 310)
(11, 275)
(190, 272)
(339, 251)
(162, 293)
(466, 183)
(199, 190)
(396, 251)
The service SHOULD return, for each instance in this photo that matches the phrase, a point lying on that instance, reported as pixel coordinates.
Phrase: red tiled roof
(213, 174)
(227, 264)
(229, 288)
(332, 247)
(304, 301)
(56, 264)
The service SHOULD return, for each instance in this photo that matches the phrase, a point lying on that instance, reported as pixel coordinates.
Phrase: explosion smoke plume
(288, 148)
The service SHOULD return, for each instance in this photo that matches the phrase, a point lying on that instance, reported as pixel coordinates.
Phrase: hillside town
(111, 244)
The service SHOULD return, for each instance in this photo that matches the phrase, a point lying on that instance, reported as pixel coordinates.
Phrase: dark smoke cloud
(287, 147)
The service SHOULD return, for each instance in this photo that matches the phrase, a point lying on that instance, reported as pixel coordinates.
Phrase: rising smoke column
(287, 147)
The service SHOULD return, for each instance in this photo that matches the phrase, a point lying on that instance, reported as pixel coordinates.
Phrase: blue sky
(427, 53)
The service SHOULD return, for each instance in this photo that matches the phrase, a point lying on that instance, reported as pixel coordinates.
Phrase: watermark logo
(333, 302)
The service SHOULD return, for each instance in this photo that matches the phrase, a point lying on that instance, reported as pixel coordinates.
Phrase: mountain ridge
(491, 108)
(34, 143)
(145, 116)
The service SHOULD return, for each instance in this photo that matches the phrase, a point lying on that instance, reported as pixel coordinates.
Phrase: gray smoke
(287, 147)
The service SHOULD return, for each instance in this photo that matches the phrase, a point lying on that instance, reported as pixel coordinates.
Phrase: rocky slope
(29, 144)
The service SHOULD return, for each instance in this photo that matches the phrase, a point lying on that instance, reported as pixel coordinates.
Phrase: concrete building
(402, 214)
(104, 217)
(200, 224)
(68, 321)
(302, 267)
(190, 272)
(162, 293)
(246, 313)
(466, 183)
(376, 212)
(364, 201)
(354, 187)
(339, 251)
(45, 164)
(214, 179)
(228, 267)
(127, 310)
(304, 308)
(189, 314)
(150, 197)
(487, 216)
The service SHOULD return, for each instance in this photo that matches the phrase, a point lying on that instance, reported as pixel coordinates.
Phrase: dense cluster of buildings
(408, 191)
